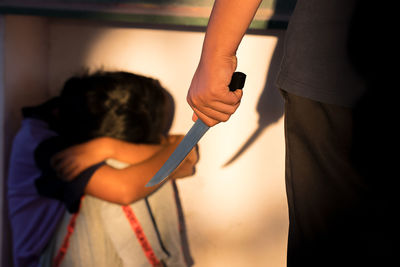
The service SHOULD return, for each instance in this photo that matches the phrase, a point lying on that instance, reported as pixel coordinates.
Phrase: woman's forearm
(73, 160)
(127, 185)
(130, 152)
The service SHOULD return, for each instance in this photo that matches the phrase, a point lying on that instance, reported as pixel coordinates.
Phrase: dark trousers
(338, 214)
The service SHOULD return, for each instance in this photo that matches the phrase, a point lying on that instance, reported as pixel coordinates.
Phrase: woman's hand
(72, 161)
(69, 162)
(188, 165)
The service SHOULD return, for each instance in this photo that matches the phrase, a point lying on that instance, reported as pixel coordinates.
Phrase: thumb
(194, 117)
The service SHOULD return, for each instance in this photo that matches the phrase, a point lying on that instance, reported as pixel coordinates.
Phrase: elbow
(127, 196)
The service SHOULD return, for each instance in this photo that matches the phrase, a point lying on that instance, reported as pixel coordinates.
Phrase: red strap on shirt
(140, 235)
(135, 225)
(65, 244)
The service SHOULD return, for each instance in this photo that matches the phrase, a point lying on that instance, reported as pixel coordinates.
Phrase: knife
(195, 133)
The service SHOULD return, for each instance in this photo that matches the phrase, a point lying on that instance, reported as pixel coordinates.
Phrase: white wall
(235, 215)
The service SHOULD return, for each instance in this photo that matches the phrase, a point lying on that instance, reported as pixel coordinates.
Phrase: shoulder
(32, 132)
(22, 159)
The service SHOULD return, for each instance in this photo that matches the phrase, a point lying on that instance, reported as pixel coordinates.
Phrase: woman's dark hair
(121, 105)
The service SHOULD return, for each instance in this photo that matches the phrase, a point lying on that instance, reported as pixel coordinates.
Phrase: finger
(63, 164)
(232, 97)
(175, 139)
(193, 156)
(69, 174)
(214, 112)
(63, 174)
(194, 117)
(220, 107)
(238, 94)
(68, 170)
(197, 153)
(193, 170)
(55, 160)
(226, 105)
(204, 118)
(212, 117)
(184, 171)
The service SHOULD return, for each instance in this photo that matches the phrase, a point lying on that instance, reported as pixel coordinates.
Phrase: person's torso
(104, 234)
(316, 63)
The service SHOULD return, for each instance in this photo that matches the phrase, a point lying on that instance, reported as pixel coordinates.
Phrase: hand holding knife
(191, 138)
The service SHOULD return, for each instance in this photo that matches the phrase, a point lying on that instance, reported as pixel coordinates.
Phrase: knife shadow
(270, 106)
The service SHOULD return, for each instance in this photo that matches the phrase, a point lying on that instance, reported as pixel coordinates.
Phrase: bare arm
(127, 185)
(208, 94)
(71, 161)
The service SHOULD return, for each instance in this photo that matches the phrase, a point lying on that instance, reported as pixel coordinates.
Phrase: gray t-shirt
(316, 63)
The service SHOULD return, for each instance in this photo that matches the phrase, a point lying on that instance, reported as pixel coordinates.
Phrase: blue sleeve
(49, 185)
(70, 193)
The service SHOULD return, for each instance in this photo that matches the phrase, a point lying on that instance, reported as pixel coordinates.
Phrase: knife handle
(237, 81)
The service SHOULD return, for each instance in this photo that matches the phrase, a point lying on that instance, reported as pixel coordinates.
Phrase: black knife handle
(237, 81)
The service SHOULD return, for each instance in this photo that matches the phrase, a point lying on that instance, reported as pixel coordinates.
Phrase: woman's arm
(70, 162)
(208, 94)
(128, 185)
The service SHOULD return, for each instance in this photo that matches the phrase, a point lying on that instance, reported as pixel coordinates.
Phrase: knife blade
(192, 137)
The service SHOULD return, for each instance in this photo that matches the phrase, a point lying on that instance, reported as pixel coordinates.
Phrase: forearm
(209, 95)
(70, 162)
(228, 23)
(127, 185)
(131, 153)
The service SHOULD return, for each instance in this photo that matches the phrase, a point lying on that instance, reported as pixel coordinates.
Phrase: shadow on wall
(270, 104)
(270, 107)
